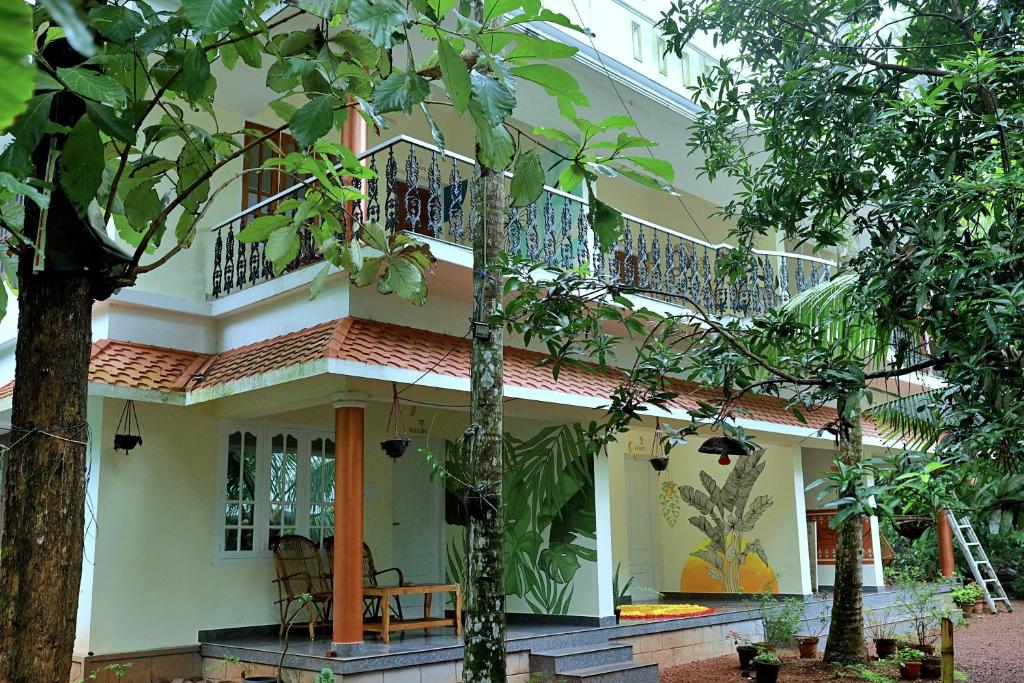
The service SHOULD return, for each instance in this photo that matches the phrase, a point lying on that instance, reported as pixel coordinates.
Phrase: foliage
(925, 200)
(116, 669)
(724, 519)
(866, 673)
(909, 654)
(780, 619)
(967, 594)
(325, 676)
(620, 591)
(1004, 551)
(15, 46)
(738, 639)
(766, 657)
(919, 602)
(882, 624)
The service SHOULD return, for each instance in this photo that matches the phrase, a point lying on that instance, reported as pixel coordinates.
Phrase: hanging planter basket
(394, 446)
(912, 527)
(660, 464)
(659, 461)
(128, 434)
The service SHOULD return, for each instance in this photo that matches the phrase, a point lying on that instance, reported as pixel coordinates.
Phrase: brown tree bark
(484, 660)
(845, 642)
(44, 479)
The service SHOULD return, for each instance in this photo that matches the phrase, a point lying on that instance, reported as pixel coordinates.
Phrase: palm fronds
(914, 419)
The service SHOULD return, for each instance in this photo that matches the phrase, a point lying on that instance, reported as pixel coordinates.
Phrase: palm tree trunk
(846, 634)
(484, 658)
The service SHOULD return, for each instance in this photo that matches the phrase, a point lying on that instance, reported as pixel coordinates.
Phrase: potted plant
(909, 660)
(918, 600)
(965, 597)
(620, 594)
(779, 620)
(767, 666)
(808, 644)
(744, 649)
(883, 632)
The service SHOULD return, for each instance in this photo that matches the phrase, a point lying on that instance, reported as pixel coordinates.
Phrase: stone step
(581, 657)
(624, 672)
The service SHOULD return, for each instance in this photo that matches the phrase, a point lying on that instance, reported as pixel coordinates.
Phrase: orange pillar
(354, 135)
(947, 564)
(348, 522)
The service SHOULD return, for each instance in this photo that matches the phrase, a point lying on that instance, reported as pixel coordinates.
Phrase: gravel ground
(988, 651)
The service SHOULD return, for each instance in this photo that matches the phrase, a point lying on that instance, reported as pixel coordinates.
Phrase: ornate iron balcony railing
(425, 190)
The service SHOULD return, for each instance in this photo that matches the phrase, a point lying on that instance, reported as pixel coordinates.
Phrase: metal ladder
(984, 574)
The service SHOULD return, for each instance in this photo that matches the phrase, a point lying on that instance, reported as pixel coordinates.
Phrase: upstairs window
(638, 41)
(275, 481)
(258, 185)
(660, 56)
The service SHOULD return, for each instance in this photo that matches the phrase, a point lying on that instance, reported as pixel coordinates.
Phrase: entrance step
(623, 672)
(582, 657)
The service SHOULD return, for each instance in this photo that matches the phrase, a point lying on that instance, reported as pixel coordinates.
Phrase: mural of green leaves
(549, 515)
(724, 518)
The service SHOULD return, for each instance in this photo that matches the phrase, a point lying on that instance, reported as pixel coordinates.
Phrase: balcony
(425, 190)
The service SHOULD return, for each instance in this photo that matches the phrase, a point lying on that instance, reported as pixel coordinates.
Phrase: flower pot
(931, 667)
(395, 448)
(910, 670)
(808, 647)
(979, 607)
(968, 610)
(126, 442)
(767, 673)
(927, 649)
(746, 653)
(885, 647)
(260, 679)
(618, 614)
(659, 464)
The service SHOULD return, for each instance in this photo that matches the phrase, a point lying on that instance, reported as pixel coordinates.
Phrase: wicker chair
(370, 574)
(301, 571)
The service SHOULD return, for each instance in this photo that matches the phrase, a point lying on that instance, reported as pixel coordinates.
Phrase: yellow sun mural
(754, 575)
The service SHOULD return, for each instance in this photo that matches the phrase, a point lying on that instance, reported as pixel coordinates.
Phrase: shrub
(766, 657)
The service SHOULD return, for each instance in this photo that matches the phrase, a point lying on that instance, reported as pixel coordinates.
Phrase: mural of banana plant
(725, 518)
(548, 490)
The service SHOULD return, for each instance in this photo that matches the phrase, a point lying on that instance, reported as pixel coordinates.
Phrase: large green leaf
(607, 223)
(27, 132)
(400, 91)
(527, 179)
(494, 98)
(313, 120)
(195, 73)
(381, 20)
(405, 279)
(81, 164)
(107, 120)
(68, 17)
(115, 22)
(94, 86)
(260, 228)
(494, 144)
(555, 80)
(211, 16)
(15, 47)
(454, 74)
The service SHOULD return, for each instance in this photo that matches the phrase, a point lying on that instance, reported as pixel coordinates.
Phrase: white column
(83, 620)
(801, 521)
(873, 573)
(603, 529)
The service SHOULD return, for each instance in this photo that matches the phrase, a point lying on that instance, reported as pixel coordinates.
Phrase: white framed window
(273, 481)
(660, 57)
(638, 41)
(686, 65)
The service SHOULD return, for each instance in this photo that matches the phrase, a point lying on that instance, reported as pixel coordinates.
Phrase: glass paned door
(284, 476)
(321, 489)
(240, 490)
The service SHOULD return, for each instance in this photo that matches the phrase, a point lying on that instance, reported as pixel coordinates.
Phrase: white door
(417, 519)
(640, 529)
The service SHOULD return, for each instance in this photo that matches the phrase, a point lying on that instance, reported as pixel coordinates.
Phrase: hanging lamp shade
(723, 446)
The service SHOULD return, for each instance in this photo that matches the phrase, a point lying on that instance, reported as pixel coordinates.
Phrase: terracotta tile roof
(376, 343)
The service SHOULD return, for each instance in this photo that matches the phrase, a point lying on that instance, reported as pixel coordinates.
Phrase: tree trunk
(846, 633)
(485, 592)
(44, 479)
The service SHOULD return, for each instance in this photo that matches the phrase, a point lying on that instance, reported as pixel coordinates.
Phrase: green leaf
(319, 280)
(405, 279)
(454, 74)
(16, 44)
(141, 205)
(81, 164)
(116, 22)
(94, 86)
(571, 177)
(495, 145)
(351, 256)
(260, 228)
(325, 9)
(381, 20)
(608, 224)
(282, 245)
(527, 179)
(195, 73)
(555, 80)
(373, 236)
(495, 99)
(106, 120)
(313, 120)
(435, 130)
(358, 46)
(194, 162)
(66, 14)
(400, 91)
(211, 16)
(20, 187)
(659, 167)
